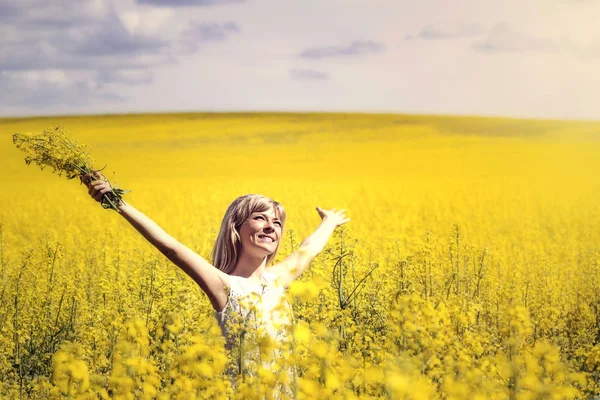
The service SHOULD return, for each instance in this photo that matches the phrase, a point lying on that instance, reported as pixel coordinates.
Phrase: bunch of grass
(55, 148)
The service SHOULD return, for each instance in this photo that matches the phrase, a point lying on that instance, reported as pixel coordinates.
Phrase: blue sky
(538, 58)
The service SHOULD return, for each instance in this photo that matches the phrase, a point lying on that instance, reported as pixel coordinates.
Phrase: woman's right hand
(97, 185)
(336, 217)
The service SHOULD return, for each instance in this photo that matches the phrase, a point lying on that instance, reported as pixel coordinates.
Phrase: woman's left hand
(336, 217)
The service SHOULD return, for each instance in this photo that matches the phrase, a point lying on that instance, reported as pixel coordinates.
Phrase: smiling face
(260, 233)
(246, 220)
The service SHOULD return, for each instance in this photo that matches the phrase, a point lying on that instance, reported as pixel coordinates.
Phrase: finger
(87, 179)
(101, 193)
(90, 188)
(100, 185)
(341, 211)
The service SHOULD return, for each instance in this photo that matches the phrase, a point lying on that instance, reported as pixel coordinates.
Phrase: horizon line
(374, 113)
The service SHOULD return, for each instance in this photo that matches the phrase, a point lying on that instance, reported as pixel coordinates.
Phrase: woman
(238, 283)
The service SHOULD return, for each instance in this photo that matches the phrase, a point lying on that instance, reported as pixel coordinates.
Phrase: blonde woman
(240, 276)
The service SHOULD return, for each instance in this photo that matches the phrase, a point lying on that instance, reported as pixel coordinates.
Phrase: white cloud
(147, 21)
(503, 38)
(42, 40)
(39, 88)
(355, 48)
(448, 31)
(129, 77)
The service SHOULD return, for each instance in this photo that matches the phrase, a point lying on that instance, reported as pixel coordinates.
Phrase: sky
(513, 58)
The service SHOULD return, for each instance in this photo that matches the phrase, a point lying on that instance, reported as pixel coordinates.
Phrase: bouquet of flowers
(55, 148)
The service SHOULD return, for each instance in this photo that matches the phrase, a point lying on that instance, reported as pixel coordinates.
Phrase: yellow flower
(302, 332)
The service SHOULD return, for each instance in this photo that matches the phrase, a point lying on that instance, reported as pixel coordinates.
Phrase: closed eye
(263, 218)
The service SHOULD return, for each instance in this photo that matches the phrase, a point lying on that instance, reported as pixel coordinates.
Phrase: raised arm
(210, 279)
(296, 263)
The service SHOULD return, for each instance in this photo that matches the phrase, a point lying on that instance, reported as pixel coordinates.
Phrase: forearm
(316, 241)
(296, 263)
(148, 228)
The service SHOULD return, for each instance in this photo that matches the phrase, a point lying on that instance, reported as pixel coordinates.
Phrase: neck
(250, 267)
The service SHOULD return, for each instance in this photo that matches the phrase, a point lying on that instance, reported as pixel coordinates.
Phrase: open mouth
(266, 238)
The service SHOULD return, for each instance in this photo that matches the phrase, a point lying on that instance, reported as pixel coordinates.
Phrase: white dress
(254, 312)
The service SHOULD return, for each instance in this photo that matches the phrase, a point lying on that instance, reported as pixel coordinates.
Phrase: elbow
(308, 245)
(308, 251)
(168, 250)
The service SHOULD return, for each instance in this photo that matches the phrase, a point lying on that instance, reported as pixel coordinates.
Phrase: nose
(269, 227)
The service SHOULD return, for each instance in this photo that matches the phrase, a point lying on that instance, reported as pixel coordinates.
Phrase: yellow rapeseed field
(470, 269)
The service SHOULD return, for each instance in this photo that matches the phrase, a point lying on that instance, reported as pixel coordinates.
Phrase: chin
(270, 252)
(263, 251)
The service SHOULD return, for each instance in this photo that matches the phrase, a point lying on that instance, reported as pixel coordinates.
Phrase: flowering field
(470, 269)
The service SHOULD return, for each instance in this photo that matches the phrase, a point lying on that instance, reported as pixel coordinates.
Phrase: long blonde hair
(228, 245)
